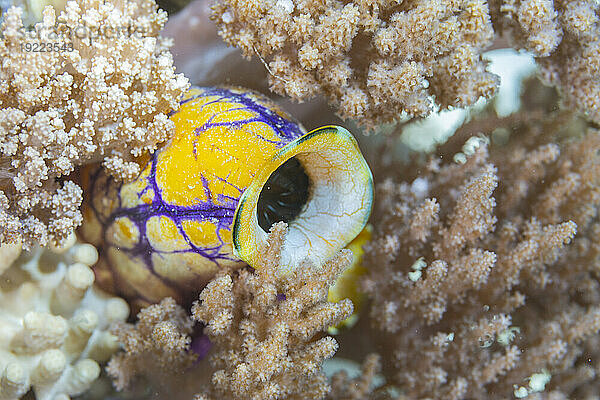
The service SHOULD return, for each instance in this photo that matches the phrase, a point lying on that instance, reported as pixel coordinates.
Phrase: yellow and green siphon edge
(247, 235)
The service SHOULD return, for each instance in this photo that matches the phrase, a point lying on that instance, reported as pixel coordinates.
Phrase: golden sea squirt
(236, 164)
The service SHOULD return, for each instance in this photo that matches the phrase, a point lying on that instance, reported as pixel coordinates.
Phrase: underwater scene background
(291, 199)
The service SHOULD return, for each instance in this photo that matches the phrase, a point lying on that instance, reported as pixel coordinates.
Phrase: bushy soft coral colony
(489, 268)
(380, 61)
(101, 99)
(374, 60)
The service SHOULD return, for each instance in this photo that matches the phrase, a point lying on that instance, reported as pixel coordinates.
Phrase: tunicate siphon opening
(284, 195)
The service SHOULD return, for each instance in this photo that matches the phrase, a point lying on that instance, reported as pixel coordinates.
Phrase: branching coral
(160, 337)
(264, 331)
(102, 93)
(54, 323)
(565, 38)
(488, 270)
(374, 60)
(263, 327)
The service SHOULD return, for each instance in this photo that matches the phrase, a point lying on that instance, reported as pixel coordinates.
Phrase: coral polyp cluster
(102, 96)
(383, 61)
(374, 61)
(491, 264)
(563, 36)
(262, 336)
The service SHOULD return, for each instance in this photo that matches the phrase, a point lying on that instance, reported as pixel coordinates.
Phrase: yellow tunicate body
(347, 285)
(192, 210)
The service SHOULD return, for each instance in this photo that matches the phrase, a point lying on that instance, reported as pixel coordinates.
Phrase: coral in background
(32, 9)
(200, 53)
(483, 273)
(564, 36)
(361, 387)
(374, 60)
(484, 268)
(54, 323)
(102, 95)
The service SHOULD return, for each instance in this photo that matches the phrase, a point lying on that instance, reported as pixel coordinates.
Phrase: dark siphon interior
(284, 194)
